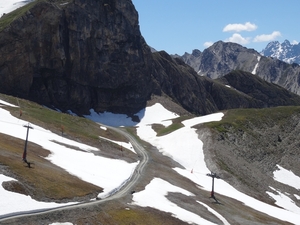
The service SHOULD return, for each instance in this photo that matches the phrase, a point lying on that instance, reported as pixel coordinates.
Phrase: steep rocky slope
(247, 146)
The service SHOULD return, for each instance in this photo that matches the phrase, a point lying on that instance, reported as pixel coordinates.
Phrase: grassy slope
(45, 180)
(8, 18)
(239, 118)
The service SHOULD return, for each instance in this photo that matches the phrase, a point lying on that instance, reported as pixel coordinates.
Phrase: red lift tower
(213, 176)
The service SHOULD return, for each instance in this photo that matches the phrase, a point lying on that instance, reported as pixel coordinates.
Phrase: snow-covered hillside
(170, 145)
(62, 149)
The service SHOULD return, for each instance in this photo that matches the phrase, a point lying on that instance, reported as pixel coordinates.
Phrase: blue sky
(179, 26)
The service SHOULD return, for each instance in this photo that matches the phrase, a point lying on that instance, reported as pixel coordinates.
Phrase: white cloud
(237, 38)
(208, 44)
(294, 42)
(238, 27)
(267, 37)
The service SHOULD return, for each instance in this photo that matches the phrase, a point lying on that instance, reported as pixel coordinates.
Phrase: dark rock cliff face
(80, 55)
(182, 84)
(270, 95)
(83, 54)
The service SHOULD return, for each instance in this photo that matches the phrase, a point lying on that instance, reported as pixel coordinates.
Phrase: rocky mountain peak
(196, 53)
(77, 55)
(222, 57)
(286, 43)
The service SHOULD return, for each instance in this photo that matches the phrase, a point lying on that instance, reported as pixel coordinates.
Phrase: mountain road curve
(119, 192)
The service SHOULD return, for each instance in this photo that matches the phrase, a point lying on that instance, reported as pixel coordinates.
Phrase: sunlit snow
(67, 154)
(256, 65)
(15, 202)
(190, 155)
(158, 190)
(287, 177)
(284, 201)
(182, 145)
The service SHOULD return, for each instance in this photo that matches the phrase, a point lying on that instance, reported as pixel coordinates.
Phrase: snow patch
(15, 202)
(121, 144)
(287, 177)
(285, 202)
(158, 189)
(256, 65)
(225, 222)
(6, 103)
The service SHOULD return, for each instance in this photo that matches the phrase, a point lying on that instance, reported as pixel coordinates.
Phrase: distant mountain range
(285, 51)
(223, 57)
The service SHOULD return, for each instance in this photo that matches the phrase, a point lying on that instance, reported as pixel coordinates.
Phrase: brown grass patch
(44, 181)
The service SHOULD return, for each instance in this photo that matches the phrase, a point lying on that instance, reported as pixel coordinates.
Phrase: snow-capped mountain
(285, 51)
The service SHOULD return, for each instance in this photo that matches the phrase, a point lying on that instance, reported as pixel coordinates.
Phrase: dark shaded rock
(182, 84)
(80, 55)
(270, 94)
